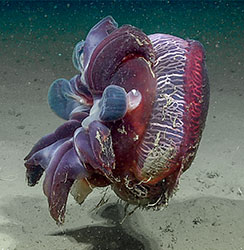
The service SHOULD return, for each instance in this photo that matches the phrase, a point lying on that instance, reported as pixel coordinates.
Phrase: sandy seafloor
(36, 42)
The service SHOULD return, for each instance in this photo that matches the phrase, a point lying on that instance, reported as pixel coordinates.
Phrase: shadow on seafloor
(203, 222)
(28, 223)
(114, 235)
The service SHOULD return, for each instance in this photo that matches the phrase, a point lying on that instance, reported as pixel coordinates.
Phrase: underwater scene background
(36, 43)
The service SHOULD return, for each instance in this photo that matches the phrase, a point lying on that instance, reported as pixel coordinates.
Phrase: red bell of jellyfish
(135, 116)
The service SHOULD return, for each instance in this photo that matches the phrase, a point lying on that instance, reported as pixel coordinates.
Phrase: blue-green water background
(30, 20)
(214, 23)
(36, 43)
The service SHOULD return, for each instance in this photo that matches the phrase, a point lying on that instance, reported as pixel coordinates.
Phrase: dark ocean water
(61, 24)
(201, 20)
(41, 25)
(36, 43)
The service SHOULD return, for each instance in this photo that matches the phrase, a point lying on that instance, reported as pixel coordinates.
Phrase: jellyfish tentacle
(77, 56)
(97, 34)
(113, 104)
(83, 148)
(80, 89)
(102, 147)
(65, 130)
(39, 161)
(89, 151)
(61, 98)
(68, 170)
